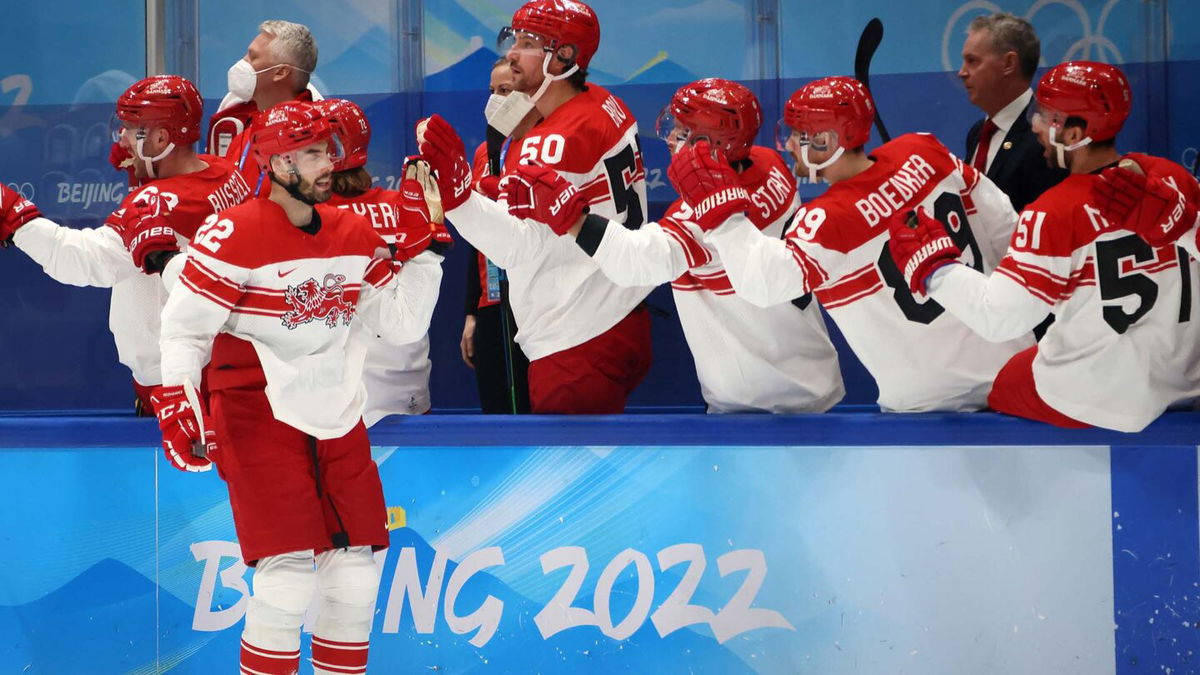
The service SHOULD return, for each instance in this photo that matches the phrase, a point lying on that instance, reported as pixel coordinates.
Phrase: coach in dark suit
(1000, 57)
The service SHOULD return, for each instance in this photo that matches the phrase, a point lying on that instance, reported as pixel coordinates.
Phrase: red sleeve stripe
(1032, 279)
(858, 284)
(379, 273)
(813, 273)
(207, 283)
(596, 192)
(696, 254)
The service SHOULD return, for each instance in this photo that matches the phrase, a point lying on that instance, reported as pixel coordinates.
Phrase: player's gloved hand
(706, 181)
(489, 186)
(147, 233)
(414, 231)
(440, 145)
(15, 211)
(539, 193)
(420, 171)
(181, 425)
(920, 245)
(122, 160)
(1144, 204)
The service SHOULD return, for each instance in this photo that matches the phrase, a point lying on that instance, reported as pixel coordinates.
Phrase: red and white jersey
(922, 358)
(559, 297)
(1125, 343)
(772, 359)
(297, 299)
(397, 377)
(98, 257)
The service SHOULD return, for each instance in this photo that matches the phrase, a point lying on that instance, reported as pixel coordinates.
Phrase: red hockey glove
(15, 211)
(440, 145)
(539, 193)
(181, 428)
(1146, 205)
(122, 160)
(147, 233)
(414, 232)
(708, 184)
(489, 186)
(919, 246)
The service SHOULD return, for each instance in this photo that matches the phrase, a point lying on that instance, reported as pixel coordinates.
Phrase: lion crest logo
(311, 301)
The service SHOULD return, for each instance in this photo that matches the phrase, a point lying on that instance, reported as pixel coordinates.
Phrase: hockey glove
(414, 232)
(122, 161)
(15, 211)
(539, 193)
(489, 186)
(419, 170)
(1146, 205)
(181, 429)
(440, 145)
(147, 234)
(708, 184)
(920, 245)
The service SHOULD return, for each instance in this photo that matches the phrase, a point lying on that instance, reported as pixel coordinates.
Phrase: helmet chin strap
(1062, 150)
(149, 161)
(518, 104)
(814, 168)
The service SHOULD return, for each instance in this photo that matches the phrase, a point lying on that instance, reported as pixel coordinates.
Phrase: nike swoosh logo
(284, 274)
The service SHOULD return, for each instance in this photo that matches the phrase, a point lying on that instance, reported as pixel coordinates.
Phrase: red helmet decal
(725, 112)
(1097, 93)
(167, 101)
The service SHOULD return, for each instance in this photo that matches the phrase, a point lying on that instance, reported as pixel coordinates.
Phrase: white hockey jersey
(397, 377)
(748, 359)
(559, 297)
(97, 256)
(295, 299)
(921, 357)
(1125, 343)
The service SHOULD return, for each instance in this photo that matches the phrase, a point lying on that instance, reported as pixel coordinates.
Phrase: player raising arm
(921, 357)
(158, 123)
(748, 358)
(1126, 343)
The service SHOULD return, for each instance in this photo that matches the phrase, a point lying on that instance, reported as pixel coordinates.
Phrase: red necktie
(981, 150)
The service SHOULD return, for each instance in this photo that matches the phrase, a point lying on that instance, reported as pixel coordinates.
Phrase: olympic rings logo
(1093, 45)
(24, 189)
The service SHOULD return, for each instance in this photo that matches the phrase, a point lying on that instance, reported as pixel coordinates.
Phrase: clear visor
(118, 127)
(791, 140)
(1042, 117)
(673, 133)
(314, 158)
(520, 41)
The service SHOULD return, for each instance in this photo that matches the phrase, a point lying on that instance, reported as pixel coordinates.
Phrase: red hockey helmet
(289, 126)
(560, 23)
(352, 129)
(167, 101)
(839, 104)
(723, 111)
(1097, 93)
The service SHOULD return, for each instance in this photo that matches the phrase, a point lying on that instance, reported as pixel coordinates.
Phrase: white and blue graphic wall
(828, 544)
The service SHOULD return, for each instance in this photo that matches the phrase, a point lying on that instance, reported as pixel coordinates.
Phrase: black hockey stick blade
(868, 42)
(495, 145)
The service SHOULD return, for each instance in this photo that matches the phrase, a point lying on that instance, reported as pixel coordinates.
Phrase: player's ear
(565, 55)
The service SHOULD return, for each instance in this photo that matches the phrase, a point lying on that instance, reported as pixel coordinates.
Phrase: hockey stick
(868, 42)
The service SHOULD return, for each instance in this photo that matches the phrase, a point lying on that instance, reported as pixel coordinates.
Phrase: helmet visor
(118, 127)
(789, 139)
(314, 158)
(1045, 117)
(520, 41)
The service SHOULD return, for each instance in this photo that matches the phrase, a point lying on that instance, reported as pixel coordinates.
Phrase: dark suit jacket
(1019, 170)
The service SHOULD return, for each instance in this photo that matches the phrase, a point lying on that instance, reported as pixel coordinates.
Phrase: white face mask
(516, 105)
(242, 78)
(493, 105)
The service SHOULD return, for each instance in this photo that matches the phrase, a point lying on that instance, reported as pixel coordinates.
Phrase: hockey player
(836, 247)
(159, 121)
(276, 290)
(748, 358)
(587, 339)
(1126, 344)
(276, 68)
(397, 378)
